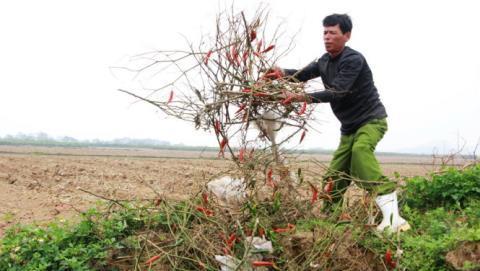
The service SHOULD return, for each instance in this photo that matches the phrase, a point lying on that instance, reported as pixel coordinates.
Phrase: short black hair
(343, 20)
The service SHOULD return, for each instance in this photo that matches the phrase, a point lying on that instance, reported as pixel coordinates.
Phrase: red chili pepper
(205, 197)
(242, 106)
(269, 48)
(216, 127)
(245, 56)
(234, 54)
(302, 136)
(329, 186)
(222, 146)
(170, 98)
(280, 230)
(259, 45)
(253, 34)
(269, 178)
(262, 263)
(303, 109)
(314, 194)
(388, 259)
(388, 256)
(241, 155)
(261, 231)
(261, 94)
(229, 57)
(153, 259)
(288, 100)
(205, 211)
(289, 227)
(207, 57)
(246, 90)
(231, 240)
(223, 143)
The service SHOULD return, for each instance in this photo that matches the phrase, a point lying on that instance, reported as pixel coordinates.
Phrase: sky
(56, 58)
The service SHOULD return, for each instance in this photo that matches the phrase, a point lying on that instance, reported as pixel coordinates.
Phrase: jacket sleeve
(342, 85)
(309, 72)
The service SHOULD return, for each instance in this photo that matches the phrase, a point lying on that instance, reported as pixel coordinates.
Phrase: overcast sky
(55, 58)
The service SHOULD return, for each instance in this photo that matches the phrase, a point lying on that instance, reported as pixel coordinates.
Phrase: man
(354, 99)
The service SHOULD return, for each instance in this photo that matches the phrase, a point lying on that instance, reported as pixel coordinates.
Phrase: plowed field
(39, 184)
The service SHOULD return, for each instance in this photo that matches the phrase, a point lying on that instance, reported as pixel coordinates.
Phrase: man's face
(334, 39)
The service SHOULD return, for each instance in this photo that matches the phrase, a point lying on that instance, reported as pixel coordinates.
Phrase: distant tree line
(43, 139)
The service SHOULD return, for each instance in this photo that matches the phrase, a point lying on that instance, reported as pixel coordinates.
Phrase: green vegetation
(452, 188)
(436, 232)
(61, 246)
(443, 210)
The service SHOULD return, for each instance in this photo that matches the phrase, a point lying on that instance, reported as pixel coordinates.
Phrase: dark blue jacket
(349, 88)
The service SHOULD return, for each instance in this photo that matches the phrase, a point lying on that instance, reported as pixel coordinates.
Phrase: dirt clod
(466, 256)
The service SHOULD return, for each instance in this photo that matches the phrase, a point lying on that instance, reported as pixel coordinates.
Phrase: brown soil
(39, 187)
(39, 184)
(466, 256)
(342, 254)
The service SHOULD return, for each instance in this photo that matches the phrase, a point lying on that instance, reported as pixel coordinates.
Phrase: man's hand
(289, 97)
(273, 73)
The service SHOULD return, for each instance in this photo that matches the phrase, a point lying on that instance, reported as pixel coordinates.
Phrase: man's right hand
(288, 97)
(273, 73)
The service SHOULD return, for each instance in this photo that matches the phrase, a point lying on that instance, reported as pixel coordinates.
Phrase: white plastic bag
(259, 244)
(228, 263)
(229, 190)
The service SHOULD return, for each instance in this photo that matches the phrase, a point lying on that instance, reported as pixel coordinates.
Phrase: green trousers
(354, 160)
